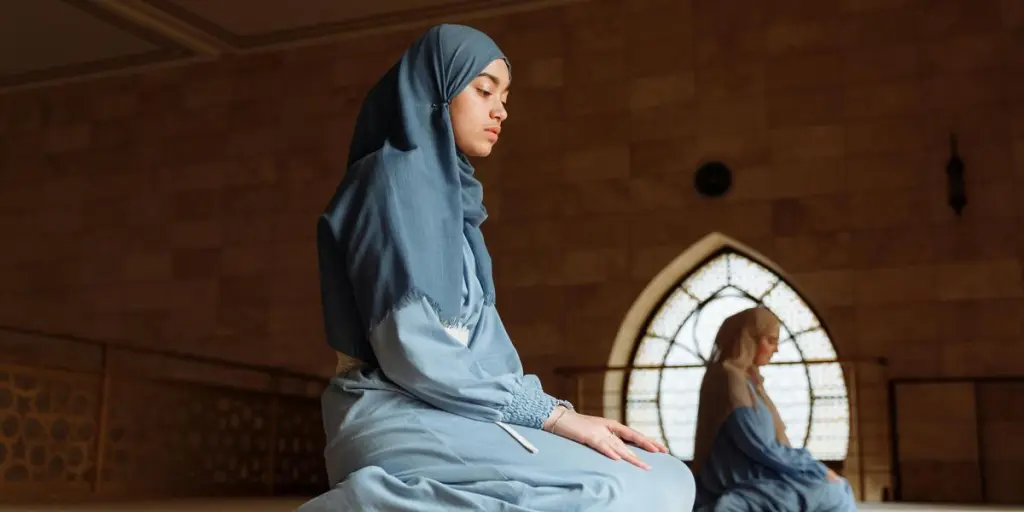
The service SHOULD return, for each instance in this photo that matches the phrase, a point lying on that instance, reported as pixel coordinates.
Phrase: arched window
(803, 380)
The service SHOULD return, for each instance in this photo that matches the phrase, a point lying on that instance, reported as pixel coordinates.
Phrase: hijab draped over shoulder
(394, 230)
(730, 375)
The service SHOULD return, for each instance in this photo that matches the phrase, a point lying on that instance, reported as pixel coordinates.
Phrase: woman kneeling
(743, 460)
(430, 409)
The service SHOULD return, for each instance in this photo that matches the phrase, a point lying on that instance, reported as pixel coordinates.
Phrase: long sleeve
(411, 270)
(417, 353)
(745, 430)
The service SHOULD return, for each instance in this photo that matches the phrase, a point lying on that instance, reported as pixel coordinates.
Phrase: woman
(430, 409)
(742, 458)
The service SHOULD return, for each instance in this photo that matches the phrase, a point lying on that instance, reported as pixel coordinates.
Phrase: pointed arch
(673, 323)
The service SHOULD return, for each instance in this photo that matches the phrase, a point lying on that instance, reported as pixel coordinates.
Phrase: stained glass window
(809, 392)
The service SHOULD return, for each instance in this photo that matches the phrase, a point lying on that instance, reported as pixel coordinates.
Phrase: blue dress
(748, 469)
(427, 431)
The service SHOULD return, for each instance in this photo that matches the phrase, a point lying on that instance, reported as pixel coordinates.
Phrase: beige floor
(211, 505)
(888, 507)
(272, 505)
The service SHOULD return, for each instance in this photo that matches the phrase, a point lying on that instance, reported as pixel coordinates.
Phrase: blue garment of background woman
(435, 413)
(742, 458)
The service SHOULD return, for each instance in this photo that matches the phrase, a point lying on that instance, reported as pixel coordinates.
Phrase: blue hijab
(393, 232)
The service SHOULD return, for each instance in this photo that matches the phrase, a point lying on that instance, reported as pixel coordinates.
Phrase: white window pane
(833, 414)
(643, 385)
(828, 449)
(681, 447)
(791, 309)
(672, 314)
(641, 413)
(651, 352)
(796, 431)
(682, 380)
(679, 355)
(789, 390)
(709, 279)
(686, 336)
(787, 353)
(750, 276)
(784, 333)
(787, 378)
(732, 291)
(827, 379)
(816, 346)
(645, 418)
(831, 429)
(680, 396)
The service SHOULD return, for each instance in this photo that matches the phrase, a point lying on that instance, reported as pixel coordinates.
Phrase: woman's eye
(485, 92)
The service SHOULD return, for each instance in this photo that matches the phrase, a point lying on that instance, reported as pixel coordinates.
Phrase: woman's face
(767, 346)
(478, 111)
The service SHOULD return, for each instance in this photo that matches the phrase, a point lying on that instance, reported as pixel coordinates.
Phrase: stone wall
(176, 209)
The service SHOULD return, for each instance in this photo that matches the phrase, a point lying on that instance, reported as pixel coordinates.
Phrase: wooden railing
(84, 419)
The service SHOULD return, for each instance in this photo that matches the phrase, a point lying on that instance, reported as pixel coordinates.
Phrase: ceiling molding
(455, 11)
(184, 37)
(168, 51)
(158, 20)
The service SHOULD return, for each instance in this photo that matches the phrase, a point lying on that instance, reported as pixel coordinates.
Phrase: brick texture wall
(176, 209)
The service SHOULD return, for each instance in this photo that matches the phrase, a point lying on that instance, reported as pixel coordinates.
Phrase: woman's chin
(482, 147)
(483, 150)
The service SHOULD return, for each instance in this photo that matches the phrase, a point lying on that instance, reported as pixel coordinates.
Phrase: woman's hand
(604, 435)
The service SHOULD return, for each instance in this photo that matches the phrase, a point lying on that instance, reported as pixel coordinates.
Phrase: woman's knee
(844, 497)
(668, 486)
(667, 464)
(670, 477)
(836, 497)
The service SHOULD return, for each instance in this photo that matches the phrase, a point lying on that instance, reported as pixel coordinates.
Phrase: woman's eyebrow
(496, 80)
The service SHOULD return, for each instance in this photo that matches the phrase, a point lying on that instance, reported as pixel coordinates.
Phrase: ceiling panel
(48, 39)
(248, 17)
(247, 24)
(48, 33)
